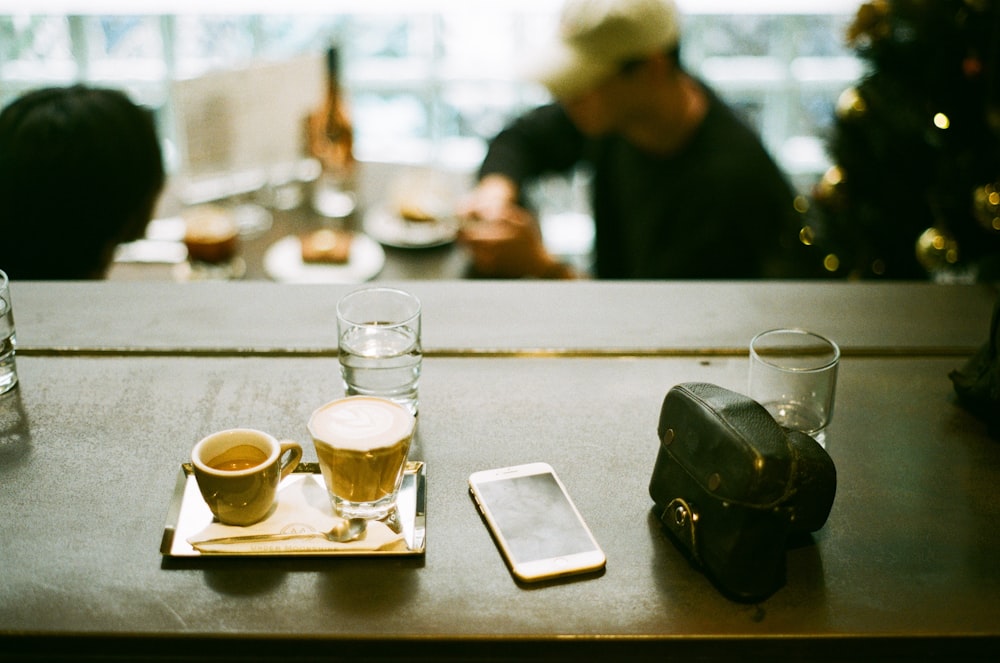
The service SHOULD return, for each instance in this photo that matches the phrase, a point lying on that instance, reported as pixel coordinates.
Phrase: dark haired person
(80, 172)
(681, 188)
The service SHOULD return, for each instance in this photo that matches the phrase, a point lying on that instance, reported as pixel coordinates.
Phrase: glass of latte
(362, 444)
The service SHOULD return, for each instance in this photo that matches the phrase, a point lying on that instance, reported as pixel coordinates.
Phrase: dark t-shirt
(719, 209)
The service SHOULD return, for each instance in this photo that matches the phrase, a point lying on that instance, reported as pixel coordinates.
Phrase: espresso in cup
(362, 443)
(240, 457)
(238, 472)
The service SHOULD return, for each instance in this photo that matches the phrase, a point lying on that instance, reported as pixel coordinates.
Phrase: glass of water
(8, 339)
(793, 374)
(378, 331)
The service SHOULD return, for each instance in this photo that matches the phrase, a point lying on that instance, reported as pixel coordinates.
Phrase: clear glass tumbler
(8, 338)
(379, 337)
(793, 374)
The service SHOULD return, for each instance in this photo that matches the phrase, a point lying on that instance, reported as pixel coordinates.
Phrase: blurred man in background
(681, 188)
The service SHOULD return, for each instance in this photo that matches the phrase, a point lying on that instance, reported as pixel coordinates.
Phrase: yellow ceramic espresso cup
(238, 472)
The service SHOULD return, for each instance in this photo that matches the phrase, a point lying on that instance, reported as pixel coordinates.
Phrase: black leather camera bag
(731, 486)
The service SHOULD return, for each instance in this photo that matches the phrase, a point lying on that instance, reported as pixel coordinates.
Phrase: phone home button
(560, 562)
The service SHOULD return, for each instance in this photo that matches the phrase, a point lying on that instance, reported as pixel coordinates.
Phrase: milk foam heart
(361, 423)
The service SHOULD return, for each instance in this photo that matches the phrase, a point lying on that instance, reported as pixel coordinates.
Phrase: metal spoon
(342, 532)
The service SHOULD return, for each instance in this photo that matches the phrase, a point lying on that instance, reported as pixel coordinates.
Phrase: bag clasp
(682, 519)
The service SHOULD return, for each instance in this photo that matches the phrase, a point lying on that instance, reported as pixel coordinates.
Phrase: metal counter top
(113, 394)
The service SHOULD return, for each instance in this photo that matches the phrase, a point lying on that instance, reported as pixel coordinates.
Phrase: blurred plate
(283, 262)
(391, 229)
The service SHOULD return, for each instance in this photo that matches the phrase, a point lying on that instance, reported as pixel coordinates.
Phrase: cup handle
(294, 451)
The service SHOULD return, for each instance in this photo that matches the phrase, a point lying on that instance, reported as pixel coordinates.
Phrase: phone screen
(536, 524)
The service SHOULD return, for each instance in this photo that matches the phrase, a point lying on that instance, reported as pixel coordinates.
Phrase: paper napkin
(303, 507)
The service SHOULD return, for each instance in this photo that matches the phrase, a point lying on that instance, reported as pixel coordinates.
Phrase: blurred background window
(428, 81)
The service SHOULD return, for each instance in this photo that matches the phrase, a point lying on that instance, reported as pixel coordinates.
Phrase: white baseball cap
(596, 37)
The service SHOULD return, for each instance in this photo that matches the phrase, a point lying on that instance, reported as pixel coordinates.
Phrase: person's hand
(487, 201)
(503, 238)
(507, 244)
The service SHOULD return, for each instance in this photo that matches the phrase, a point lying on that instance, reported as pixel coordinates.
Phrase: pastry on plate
(327, 245)
(416, 213)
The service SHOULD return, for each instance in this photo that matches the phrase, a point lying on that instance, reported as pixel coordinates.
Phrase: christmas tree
(914, 192)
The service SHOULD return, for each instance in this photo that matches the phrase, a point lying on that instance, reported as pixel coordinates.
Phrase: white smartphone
(534, 522)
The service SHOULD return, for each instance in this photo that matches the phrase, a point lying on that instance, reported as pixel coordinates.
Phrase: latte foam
(361, 423)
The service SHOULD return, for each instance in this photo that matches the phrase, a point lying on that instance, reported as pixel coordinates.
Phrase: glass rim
(832, 347)
(409, 296)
